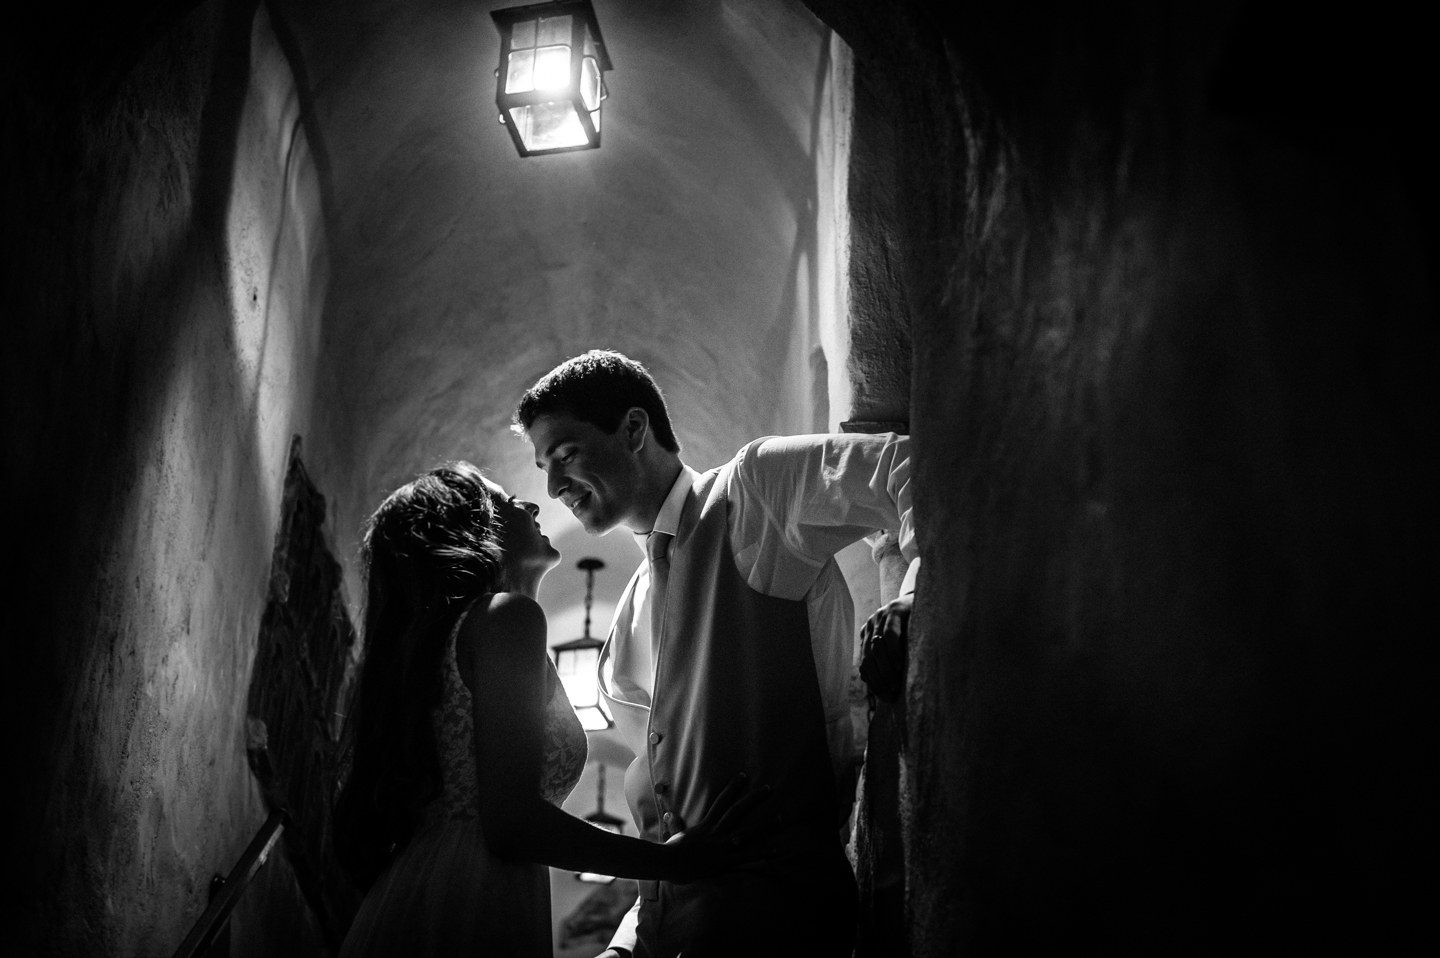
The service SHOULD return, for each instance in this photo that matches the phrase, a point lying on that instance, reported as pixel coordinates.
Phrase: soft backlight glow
(539, 57)
(595, 878)
(577, 674)
(552, 69)
(593, 719)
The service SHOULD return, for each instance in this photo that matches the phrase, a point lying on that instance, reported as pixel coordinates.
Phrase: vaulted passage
(1152, 291)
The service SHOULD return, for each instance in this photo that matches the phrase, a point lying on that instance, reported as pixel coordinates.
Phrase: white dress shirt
(794, 502)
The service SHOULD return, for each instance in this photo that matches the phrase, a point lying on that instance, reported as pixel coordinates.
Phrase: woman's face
(525, 546)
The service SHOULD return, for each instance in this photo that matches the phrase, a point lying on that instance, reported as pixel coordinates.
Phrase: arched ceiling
(460, 272)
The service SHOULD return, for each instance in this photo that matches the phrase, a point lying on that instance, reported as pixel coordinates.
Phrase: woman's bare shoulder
(510, 614)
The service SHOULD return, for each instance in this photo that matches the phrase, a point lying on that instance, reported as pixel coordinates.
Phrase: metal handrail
(203, 934)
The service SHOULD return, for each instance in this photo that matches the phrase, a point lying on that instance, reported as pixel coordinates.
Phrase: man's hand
(725, 838)
(884, 643)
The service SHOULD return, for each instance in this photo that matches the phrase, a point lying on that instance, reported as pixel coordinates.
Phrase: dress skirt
(447, 894)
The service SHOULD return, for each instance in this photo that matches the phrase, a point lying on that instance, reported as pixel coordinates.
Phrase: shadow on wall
(296, 696)
(165, 265)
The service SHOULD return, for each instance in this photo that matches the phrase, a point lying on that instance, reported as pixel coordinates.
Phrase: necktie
(657, 547)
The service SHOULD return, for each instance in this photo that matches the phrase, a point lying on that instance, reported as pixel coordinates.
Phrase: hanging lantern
(576, 663)
(551, 78)
(600, 819)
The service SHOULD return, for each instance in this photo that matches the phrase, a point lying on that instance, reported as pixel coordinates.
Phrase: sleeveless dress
(446, 893)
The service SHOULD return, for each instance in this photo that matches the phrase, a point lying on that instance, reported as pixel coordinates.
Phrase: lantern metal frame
(582, 14)
(585, 643)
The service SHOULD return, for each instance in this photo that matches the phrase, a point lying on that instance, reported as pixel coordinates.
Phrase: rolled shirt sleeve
(796, 501)
(801, 499)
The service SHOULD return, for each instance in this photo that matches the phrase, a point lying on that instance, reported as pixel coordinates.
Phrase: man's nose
(554, 483)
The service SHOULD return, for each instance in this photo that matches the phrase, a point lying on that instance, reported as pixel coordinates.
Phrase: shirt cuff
(907, 585)
(627, 934)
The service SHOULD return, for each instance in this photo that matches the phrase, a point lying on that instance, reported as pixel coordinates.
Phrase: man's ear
(636, 425)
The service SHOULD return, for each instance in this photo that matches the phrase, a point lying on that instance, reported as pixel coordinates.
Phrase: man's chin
(596, 528)
(594, 524)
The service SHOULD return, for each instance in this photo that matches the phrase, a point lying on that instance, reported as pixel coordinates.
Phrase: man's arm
(819, 494)
(804, 498)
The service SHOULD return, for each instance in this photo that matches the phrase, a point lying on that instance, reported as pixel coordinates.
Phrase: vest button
(669, 818)
(655, 738)
(661, 788)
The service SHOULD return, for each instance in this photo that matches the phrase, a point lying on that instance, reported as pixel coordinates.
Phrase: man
(731, 647)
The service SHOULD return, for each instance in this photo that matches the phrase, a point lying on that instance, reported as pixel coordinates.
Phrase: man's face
(593, 472)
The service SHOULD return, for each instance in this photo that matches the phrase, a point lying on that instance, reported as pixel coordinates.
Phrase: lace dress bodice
(446, 892)
(563, 742)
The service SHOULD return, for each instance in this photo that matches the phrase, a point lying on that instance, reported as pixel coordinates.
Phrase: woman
(464, 744)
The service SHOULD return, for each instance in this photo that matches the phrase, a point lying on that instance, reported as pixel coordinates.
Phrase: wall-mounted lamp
(551, 78)
(576, 662)
(599, 819)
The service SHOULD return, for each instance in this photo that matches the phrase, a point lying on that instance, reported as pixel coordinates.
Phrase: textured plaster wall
(1172, 406)
(165, 269)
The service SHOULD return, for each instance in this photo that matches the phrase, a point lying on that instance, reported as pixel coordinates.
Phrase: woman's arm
(501, 650)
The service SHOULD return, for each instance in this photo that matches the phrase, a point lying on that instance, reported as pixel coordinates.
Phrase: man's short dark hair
(599, 387)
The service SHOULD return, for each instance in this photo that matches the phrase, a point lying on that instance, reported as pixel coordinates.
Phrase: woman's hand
(721, 840)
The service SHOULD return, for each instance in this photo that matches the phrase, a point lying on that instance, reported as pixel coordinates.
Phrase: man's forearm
(912, 574)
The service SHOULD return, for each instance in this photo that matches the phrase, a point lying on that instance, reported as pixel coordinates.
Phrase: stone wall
(1169, 399)
(164, 271)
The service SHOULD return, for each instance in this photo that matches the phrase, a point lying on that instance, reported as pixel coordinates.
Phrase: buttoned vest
(735, 689)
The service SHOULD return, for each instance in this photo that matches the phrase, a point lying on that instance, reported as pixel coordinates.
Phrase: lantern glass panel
(522, 34)
(590, 85)
(552, 68)
(577, 673)
(553, 30)
(520, 74)
(549, 126)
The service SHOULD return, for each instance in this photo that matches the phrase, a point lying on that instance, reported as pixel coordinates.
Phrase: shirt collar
(668, 521)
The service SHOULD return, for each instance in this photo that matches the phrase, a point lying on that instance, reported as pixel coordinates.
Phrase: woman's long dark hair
(430, 548)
